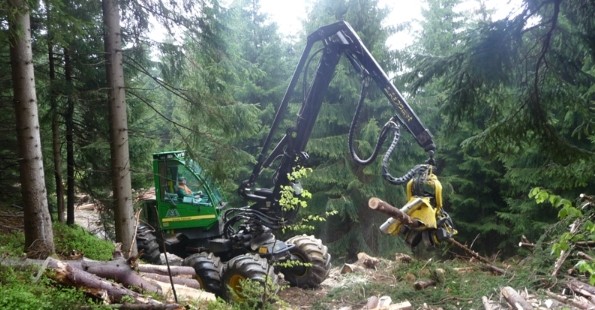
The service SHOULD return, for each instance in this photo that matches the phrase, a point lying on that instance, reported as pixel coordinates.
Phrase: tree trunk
(55, 121)
(39, 239)
(121, 180)
(69, 120)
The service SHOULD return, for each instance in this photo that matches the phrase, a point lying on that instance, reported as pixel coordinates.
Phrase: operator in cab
(183, 189)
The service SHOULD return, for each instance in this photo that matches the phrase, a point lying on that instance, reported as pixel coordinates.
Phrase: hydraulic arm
(338, 40)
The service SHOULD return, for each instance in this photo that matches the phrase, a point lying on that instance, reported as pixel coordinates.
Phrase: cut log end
(374, 202)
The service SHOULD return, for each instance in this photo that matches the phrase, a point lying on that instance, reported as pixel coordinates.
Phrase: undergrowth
(460, 285)
(22, 289)
(69, 239)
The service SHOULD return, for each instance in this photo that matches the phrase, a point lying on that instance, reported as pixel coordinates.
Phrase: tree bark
(163, 270)
(39, 240)
(69, 120)
(121, 179)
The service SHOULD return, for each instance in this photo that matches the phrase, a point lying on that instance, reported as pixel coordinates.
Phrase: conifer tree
(39, 240)
(520, 89)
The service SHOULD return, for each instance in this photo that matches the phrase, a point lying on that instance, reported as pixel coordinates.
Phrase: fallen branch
(584, 256)
(560, 261)
(486, 303)
(475, 255)
(526, 243)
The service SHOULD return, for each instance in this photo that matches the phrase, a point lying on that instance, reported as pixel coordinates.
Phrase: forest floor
(452, 283)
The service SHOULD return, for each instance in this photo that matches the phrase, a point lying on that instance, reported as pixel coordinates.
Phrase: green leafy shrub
(578, 218)
(296, 197)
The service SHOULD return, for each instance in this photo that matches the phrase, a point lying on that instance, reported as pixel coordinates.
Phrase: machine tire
(147, 245)
(208, 270)
(309, 250)
(247, 266)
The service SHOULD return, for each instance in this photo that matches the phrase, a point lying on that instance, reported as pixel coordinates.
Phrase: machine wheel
(147, 244)
(311, 251)
(208, 270)
(247, 266)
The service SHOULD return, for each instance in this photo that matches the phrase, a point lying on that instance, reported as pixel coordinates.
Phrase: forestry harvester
(227, 244)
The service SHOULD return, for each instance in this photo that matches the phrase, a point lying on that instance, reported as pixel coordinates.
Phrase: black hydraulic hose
(386, 159)
(352, 128)
(305, 72)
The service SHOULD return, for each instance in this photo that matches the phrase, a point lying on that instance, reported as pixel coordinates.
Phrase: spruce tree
(520, 91)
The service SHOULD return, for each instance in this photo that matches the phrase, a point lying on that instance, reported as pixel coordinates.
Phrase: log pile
(121, 281)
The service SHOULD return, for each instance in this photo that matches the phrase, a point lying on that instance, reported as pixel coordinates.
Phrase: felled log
(184, 293)
(119, 271)
(189, 282)
(422, 284)
(568, 301)
(384, 207)
(367, 260)
(163, 270)
(80, 273)
(514, 299)
(94, 285)
(349, 268)
(581, 288)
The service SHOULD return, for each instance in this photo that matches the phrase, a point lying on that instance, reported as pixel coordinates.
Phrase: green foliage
(255, 295)
(12, 244)
(75, 239)
(294, 198)
(582, 228)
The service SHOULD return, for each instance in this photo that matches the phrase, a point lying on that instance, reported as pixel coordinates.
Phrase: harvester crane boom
(338, 39)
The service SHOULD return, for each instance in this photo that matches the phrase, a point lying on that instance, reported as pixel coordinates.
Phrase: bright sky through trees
(289, 15)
